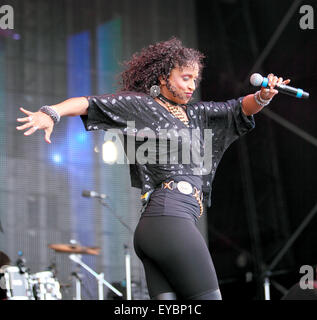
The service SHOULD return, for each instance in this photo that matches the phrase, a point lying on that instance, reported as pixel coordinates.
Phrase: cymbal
(74, 248)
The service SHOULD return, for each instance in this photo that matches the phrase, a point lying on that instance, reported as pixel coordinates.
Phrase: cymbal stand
(78, 285)
(128, 271)
(100, 277)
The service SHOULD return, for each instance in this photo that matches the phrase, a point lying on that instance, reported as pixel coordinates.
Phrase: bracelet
(263, 100)
(260, 101)
(52, 113)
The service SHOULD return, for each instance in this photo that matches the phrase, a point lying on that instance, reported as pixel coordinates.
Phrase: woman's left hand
(273, 82)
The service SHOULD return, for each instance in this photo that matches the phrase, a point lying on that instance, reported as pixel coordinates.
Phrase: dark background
(266, 183)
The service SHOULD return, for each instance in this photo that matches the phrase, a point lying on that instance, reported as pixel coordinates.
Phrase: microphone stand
(100, 278)
(126, 253)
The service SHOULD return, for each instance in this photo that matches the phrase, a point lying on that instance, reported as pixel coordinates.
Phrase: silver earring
(155, 91)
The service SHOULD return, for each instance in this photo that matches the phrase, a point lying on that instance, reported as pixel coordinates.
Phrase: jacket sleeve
(228, 120)
(111, 111)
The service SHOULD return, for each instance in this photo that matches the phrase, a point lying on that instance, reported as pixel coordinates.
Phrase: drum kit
(20, 285)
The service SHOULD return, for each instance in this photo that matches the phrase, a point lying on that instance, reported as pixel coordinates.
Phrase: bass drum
(15, 284)
(45, 286)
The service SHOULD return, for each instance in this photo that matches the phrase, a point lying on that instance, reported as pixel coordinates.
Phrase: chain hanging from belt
(197, 194)
(199, 200)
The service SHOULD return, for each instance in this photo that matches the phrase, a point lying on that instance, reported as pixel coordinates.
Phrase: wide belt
(186, 188)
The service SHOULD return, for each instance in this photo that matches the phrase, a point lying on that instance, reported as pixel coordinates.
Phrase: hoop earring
(155, 91)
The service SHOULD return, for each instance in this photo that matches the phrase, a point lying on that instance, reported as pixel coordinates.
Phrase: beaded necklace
(174, 109)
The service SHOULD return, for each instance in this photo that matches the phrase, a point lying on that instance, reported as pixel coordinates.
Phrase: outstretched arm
(249, 104)
(41, 121)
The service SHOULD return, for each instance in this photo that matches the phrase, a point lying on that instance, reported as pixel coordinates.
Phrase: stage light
(57, 158)
(109, 152)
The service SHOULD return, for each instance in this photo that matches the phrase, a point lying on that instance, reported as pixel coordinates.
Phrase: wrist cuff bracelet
(260, 101)
(52, 113)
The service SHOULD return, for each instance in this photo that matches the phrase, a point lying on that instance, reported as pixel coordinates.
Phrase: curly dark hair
(144, 68)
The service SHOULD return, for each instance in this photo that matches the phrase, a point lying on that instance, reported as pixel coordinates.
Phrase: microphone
(257, 80)
(93, 194)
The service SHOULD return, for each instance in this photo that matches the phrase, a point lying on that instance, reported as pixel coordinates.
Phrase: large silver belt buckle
(184, 187)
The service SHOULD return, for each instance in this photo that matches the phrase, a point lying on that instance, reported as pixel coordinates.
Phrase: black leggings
(175, 258)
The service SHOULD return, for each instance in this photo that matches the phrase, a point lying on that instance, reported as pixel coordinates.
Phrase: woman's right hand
(36, 121)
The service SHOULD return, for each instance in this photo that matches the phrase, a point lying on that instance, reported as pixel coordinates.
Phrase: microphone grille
(86, 193)
(256, 79)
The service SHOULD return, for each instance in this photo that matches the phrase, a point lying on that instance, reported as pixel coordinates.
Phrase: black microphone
(257, 80)
(93, 194)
